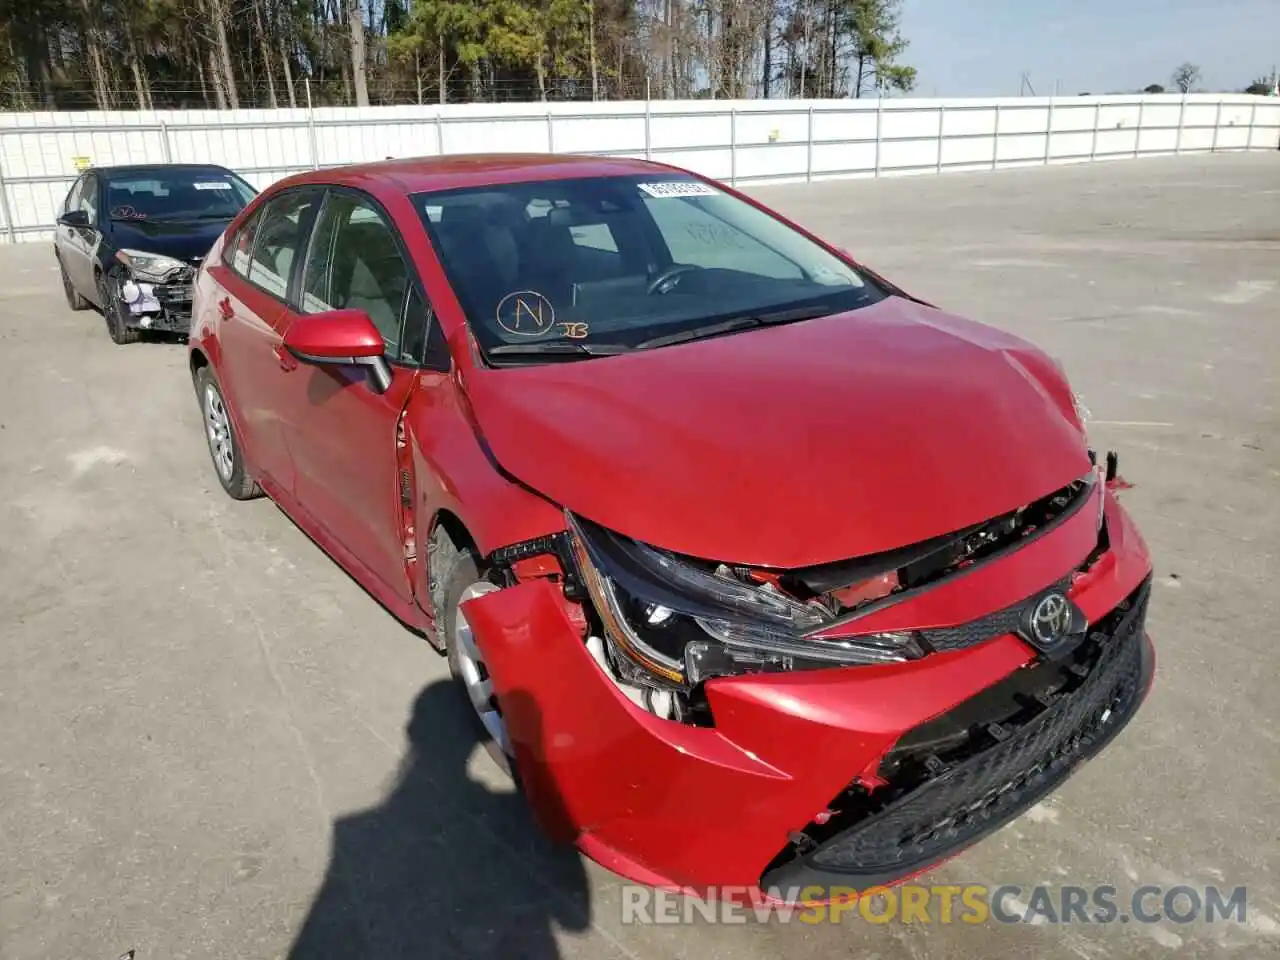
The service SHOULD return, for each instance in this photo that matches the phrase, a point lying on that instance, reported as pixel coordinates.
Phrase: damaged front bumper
(163, 307)
(847, 777)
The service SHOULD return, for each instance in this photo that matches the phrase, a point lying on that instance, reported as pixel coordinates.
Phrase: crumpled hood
(792, 445)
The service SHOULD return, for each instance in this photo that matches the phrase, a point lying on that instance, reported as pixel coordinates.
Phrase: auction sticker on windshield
(212, 185)
(679, 188)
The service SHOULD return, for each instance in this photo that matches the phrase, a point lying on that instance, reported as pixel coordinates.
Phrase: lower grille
(174, 297)
(961, 802)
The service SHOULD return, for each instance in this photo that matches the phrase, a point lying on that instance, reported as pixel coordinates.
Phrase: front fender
(456, 474)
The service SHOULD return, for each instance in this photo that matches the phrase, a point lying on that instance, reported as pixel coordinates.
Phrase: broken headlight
(151, 267)
(683, 620)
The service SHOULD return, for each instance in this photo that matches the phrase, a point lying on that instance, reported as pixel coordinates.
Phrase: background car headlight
(683, 622)
(149, 266)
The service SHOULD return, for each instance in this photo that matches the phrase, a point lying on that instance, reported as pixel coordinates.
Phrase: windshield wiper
(735, 324)
(557, 348)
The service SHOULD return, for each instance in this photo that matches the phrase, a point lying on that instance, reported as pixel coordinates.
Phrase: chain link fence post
(733, 146)
(6, 208)
(808, 159)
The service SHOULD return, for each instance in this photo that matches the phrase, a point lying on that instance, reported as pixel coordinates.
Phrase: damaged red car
(759, 570)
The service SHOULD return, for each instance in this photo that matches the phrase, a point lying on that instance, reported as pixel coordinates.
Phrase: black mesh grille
(976, 631)
(985, 628)
(978, 794)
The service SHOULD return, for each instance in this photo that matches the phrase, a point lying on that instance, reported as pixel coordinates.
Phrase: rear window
(178, 195)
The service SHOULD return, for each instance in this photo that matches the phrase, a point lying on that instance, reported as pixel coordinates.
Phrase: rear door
(343, 435)
(254, 280)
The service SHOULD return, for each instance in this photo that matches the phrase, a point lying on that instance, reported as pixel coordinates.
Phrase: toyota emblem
(1051, 619)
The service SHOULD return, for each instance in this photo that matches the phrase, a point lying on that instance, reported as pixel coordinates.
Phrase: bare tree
(1186, 77)
(359, 67)
(265, 47)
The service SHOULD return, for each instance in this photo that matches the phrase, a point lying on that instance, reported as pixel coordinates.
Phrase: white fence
(746, 141)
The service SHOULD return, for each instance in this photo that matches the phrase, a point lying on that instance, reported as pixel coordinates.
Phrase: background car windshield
(621, 260)
(184, 195)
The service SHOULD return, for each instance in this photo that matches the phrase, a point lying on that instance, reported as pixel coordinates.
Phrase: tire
(74, 300)
(112, 312)
(228, 463)
(459, 573)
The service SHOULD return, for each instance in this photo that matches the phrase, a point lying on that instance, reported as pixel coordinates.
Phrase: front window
(355, 262)
(180, 195)
(88, 199)
(555, 269)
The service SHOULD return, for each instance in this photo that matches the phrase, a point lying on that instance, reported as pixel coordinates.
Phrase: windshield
(576, 268)
(177, 195)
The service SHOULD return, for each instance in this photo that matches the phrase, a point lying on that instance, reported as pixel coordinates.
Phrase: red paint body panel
(335, 334)
(998, 583)
(781, 447)
(655, 799)
(250, 371)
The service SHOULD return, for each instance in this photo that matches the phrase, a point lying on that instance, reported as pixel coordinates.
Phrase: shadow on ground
(446, 866)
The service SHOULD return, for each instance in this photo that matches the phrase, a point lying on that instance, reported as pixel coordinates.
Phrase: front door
(341, 433)
(77, 245)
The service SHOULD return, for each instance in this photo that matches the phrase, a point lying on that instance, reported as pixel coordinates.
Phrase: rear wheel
(74, 300)
(460, 579)
(224, 446)
(113, 311)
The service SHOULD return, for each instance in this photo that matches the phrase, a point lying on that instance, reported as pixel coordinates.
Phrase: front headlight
(149, 266)
(683, 621)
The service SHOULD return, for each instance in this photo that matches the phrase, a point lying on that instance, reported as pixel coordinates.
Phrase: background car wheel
(460, 580)
(113, 311)
(224, 447)
(74, 300)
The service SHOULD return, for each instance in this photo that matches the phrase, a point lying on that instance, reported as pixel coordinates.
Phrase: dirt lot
(198, 708)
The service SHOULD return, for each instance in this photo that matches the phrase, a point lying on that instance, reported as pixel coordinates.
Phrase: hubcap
(219, 430)
(475, 676)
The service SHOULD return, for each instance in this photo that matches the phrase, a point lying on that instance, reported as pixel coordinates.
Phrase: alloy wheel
(473, 672)
(218, 428)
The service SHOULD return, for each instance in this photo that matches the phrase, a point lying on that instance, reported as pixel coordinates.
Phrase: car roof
(421, 174)
(135, 169)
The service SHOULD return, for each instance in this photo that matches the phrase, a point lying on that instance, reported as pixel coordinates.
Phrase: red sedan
(759, 570)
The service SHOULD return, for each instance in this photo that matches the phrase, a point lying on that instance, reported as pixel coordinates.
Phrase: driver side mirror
(340, 338)
(74, 218)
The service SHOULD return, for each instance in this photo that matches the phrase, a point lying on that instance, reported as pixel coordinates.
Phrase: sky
(973, 48)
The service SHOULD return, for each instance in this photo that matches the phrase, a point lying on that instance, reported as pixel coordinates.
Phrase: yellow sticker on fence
(82, 163)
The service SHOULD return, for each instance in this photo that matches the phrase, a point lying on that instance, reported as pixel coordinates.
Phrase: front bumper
(665, 803)
(163, 307)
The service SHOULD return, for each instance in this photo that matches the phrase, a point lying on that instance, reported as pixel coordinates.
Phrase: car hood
(181, 239)
(792, 445)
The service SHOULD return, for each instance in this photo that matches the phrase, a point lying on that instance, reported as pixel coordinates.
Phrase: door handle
(225, 308)
(286, 359)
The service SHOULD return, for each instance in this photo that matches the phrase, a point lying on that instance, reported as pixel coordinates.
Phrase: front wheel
(113, 311)
(460, 580)
(224, 446)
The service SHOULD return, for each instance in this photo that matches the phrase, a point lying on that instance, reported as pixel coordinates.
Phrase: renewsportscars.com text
(938, 904)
